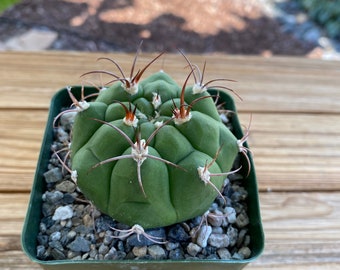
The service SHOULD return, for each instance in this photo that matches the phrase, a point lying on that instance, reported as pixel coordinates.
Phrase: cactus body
(170, 193)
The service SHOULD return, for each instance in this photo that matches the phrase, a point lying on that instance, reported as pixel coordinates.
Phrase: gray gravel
(72, 228)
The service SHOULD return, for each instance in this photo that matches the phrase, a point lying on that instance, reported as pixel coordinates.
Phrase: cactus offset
(150, 152)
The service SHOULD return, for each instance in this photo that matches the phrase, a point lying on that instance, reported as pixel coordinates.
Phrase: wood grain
(20, 141)
(301, 231)
(295, 151)
(274, 84)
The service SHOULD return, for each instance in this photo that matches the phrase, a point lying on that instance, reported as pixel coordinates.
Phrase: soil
(233, 27)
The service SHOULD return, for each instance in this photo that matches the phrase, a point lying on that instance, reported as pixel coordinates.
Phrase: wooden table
(295, 137)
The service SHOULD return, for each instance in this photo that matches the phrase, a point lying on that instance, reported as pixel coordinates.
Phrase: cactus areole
(153, 156)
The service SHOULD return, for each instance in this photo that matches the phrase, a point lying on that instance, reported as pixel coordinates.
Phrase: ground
(234, 27)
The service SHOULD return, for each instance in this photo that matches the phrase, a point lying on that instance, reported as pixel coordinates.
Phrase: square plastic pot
(33, 217)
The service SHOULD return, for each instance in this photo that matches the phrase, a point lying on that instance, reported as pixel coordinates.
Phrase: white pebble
(62, 213)
(218, 240)
(231, 214)
(203, 235)
(67, 118)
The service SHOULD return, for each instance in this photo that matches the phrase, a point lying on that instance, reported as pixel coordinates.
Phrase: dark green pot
(33, 217)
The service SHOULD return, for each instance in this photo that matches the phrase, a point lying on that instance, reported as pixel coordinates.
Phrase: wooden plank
(20, 141)
(291, 152)
(295, 151)
(302, 231)
(275, 84)
(16, 260)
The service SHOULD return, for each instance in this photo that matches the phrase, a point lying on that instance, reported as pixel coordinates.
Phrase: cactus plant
(149, 152)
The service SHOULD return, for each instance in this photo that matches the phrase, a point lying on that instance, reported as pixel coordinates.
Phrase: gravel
(63, 213)
(203, 235)
(54, 175)
(72, 228)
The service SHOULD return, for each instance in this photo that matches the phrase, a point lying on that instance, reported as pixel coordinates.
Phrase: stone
(246, 241)
(88, 220)
(62, 135)
(245, 252)
(176, 254)
(55, 236)
(203, 235)
(193, 249)
(99, 257)
(233, 235)
(230, 214)
(104, 223)
(54, 228)
(48, 222)
(56, 245)
(79, 210)
(64, 240)
(171, 245)
(140, 251)
(196, 221)
(68, 199)
(91, 237)
(156, 252)
(42, 239)
(240, 195)
(53, 197)
(242, 220)
(54, 175)
(218, 240)
(82, 229)
(93, 253)
(80, 244)
(72, 255)
(108, 239)
(40, 251)
(178, 234)
(57, 254)
(62, 213)
(42, 227)
(237, 256)
(47, 209)
(109, 256)
(31, 40)
(120, 246)
(118, 255)
(212, 257)
(66, 186)
(224, 254)
(103, 249)
(216, 218)
(217, 230)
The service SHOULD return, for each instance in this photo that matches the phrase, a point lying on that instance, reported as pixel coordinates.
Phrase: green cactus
(150, 152)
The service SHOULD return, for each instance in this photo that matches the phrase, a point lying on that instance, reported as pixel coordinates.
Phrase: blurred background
(309, 28)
